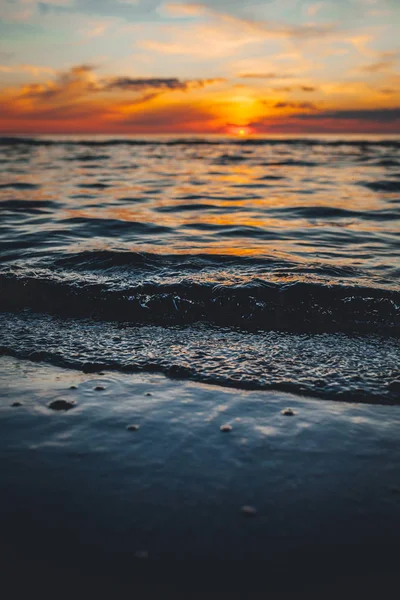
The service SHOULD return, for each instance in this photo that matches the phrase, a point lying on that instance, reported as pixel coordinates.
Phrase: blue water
(260, 263)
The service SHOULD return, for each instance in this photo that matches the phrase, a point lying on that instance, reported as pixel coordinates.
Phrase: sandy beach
(85, 494)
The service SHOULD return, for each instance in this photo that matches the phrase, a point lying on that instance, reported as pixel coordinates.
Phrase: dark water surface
(259, 263)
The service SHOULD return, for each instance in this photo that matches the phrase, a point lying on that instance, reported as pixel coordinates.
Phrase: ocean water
(259, 263)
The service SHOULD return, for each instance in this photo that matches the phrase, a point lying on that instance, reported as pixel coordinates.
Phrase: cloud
(221, 32)
(56, 2)
(340, 121)
(296, 105)
(129, 83)
(23, 10)
(283, 88)
(279, 76)
(144, 99)
(81, 80)
(293, 88)
(130, 10)
(377, 67)
(314, 9)
(76, 82)
(191, 40)
(80, 100)
(6, 55)
(136, 11)
(161, 83)
(97, 30)
(31, 69)
(270, 29)
(265, 76)
(386, 62)
(376, 115)
(178, 9)
(360, 42)
(163, 118)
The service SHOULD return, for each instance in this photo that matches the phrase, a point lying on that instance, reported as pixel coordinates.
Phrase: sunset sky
(216, 66)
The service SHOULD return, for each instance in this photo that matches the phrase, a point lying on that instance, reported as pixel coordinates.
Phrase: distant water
(260, 263)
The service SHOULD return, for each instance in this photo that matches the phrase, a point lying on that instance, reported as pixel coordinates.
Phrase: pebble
(16, 404)
(226, 428)
(61, 405)
(133, 427)
(99, 388)
(249, 511)
(288, 412)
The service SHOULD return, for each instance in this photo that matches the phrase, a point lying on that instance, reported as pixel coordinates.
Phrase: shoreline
(324, 482)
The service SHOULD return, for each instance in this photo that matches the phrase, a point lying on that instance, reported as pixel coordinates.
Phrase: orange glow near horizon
(80, 101)
(240, 131)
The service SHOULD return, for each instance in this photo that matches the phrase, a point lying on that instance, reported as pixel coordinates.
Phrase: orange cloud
(178, 9)
(31, 69)
(385, 120)
(387, 61)
(79, 100)
(265, 76)
(314, 9)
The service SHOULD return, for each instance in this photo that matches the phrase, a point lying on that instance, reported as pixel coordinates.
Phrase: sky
(214, 66)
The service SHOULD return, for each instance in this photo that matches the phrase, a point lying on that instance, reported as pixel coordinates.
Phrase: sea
(257, 263)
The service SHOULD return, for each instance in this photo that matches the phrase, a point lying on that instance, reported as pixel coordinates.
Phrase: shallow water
(256, 263)
(83, 494)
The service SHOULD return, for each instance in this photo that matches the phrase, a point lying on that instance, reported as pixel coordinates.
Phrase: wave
(254, 304)
(104, 260)
(27, 206)
(382, 186)
(332, 212)
(18, 185)
(360, 368)
(39, 141)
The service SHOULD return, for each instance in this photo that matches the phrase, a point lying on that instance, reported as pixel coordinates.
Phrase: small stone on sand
(61, 405)
(133, 427)
(226, 428)
(249, 511)
(16, 404)
(288, 412)
(99, 388)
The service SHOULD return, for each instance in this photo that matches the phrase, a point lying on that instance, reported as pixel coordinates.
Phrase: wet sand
(138, 476)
